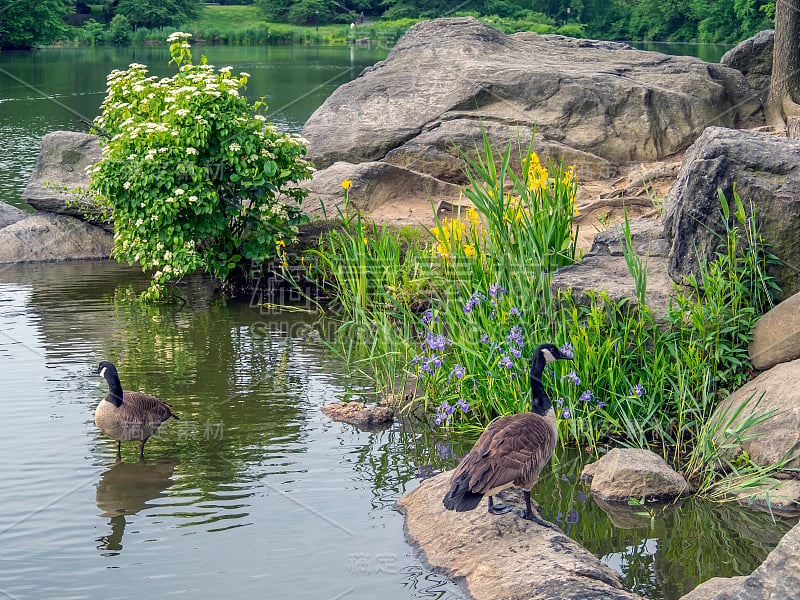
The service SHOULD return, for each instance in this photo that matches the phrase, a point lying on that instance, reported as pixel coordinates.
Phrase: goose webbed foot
(498, 509)
(530, 516)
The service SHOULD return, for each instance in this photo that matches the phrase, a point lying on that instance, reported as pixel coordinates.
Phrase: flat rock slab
(604, 268)
(599, 98)
(602, 273)
(627, 473)
(768, 442)
(503, 556)
(778, 577)
(385, 192)
(49, 237)
(776, 335)
(360, 415)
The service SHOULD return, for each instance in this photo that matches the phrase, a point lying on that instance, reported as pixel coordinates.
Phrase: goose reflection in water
(125, 489)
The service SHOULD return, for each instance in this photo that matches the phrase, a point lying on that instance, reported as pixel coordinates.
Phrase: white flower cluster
(177, 36)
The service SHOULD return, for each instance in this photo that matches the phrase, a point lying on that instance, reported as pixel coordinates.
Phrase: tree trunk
(785, 82)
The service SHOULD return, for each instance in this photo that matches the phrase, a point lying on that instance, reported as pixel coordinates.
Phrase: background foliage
(27, 22)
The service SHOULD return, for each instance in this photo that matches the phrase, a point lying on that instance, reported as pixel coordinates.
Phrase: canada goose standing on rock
(128, 416)
(511, 451)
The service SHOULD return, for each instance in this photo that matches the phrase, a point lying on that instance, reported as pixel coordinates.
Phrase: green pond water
(253, 493)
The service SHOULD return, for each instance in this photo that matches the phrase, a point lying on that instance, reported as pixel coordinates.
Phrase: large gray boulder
(776, 335)
(604, 269)
(615, 104)
(753, 57)
(776, 391)
(766, 171)
(626, 473)
(777, 577)
(60, 168)
(48, 237)
(503, 556)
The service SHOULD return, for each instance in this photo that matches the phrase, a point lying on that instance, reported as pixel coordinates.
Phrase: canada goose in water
(512, 451)
(128, 416)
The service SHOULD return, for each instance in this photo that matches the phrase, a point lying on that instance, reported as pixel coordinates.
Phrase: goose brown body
(136, 419)
(511, 451)
(128, 416)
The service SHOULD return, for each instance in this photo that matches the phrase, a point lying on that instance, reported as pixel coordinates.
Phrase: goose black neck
(540, 402)
(114, 389)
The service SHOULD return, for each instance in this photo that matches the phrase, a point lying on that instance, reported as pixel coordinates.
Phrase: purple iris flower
(505, 362)
(457, 371)
(587, 396)
(567, 350)
(638, 390)
(572, 377)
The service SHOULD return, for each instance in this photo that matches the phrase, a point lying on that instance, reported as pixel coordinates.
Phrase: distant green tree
(93, 31)
(156, 13)
(119, 30)
(26, 23)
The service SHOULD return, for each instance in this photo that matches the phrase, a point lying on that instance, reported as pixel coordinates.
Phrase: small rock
(777, 577)
(360, 415)
(48, 237)
(10, 214)
(624, 516)
(768, 442)
(776, 335)
(781, 497)
(626, 473)
(503, 556)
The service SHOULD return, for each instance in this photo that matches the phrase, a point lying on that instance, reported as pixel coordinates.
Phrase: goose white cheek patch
(103, 372)
(548, 356)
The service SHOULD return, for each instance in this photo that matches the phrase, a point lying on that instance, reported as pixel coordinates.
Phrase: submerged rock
(48, 237)
(766, 171)
(360, 415)
(768, 442)
(780, 497)
(604, 100)
(503, 556)
(627, 473)
(776, 335)
(777, 577)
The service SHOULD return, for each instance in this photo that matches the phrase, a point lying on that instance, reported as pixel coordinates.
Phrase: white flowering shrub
(192, 175)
